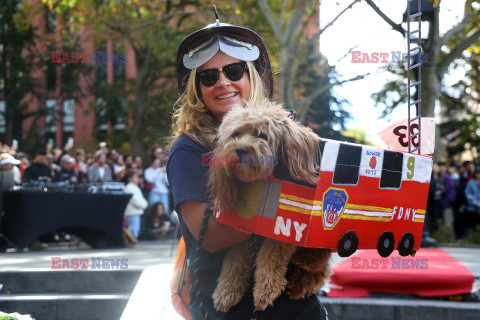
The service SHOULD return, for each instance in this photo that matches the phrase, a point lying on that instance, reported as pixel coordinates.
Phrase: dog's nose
(241, 151)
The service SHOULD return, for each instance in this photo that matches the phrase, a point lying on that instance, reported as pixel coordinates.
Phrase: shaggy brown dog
(264, 132)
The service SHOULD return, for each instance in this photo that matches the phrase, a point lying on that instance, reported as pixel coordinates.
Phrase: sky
(362, 28)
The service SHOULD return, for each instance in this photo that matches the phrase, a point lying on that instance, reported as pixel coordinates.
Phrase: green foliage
(394, 92)
(462, 115)
(473, 237)
(442, 235)
(7, 317)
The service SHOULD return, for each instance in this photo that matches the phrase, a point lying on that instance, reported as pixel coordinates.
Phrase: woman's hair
(128, 175)
(152, 211)
(194, 119)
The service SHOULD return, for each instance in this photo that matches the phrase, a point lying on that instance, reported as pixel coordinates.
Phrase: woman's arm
(218, 236)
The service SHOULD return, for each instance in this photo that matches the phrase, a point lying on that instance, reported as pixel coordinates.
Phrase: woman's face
(225, 94)
(160, 211)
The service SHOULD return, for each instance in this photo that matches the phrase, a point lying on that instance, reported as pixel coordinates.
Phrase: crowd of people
(148, 184)
(454, 199)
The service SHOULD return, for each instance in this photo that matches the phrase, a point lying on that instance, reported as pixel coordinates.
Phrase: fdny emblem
(334, 202)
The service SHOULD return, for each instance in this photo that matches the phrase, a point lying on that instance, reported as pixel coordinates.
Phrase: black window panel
(348, 165)
(391, 170)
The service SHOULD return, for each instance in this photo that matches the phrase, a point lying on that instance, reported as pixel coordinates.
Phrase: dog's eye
(262, 136)
(236, 135)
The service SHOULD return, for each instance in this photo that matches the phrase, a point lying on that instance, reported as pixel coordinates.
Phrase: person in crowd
(38, 169)
(137, 204)
(103, 147)
(218, 67)
(7, 174)
(24, 162)
(117, 166)
(54, 168)
(435, 200)
(449, 198)
(157, 153)
(158, 224)
(472, 194)
(157, 176)
(80, 165)
(112, 156)
(99, 171)
(67, 172)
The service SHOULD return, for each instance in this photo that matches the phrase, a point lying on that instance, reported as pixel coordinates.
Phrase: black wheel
(348, 244)
(386, 244)
(406, 244)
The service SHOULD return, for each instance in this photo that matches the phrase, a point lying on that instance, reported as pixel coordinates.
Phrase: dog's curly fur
(266, 131)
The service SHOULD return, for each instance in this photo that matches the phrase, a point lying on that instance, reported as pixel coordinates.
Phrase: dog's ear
(301, 151)
(223, 189)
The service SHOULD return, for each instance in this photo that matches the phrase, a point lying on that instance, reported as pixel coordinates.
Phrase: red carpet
(432, 272)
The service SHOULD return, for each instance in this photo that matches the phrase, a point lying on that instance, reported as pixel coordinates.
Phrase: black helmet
(221, 36)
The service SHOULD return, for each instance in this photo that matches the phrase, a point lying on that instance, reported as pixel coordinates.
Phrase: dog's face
(249, 139)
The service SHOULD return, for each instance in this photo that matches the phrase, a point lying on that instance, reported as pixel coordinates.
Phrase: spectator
(157, 153)
(103, 147)
(100, 171)
(449, 198)
(435, 200)
(136, 205)
(66, 172)
(38, 169)
(118, 165)
(7, 174)
(81, 165)
(158, 224)
(54, 168)
(157, 175)
(472, 194)
(24, 163)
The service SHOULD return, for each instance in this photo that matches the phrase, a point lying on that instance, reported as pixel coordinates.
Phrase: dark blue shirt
(188, 176)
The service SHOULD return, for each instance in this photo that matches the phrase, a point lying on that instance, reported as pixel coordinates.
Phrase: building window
(51, 116)
(68, 115)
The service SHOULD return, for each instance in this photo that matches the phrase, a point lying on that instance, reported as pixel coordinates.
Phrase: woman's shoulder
(185, 141)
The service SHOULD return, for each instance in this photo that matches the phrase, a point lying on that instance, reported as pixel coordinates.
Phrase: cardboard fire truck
(365, 198)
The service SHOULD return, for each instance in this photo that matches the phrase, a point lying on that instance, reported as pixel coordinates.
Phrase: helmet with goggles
(238, 42)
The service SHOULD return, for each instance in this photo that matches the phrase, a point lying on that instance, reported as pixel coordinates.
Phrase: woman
(218, 67)
(136, 205)
(158, 224)
(100, 171)
(157, 176)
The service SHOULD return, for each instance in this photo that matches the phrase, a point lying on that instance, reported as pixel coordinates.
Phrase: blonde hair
(194, 119)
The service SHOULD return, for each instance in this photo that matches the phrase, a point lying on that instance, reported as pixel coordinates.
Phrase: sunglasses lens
(234, 72)
(208, 77)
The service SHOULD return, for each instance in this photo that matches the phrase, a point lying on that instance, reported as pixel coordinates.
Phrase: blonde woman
(218, 67)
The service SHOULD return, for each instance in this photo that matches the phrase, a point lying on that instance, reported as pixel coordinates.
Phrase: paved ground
(158, 257)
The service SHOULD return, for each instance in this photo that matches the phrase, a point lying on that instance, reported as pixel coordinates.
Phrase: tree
(17, 62)
(153, 30)
(304, 79)
(442, 51)
(461, 103)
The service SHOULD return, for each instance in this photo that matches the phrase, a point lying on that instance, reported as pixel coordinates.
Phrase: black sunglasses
(233, 72)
